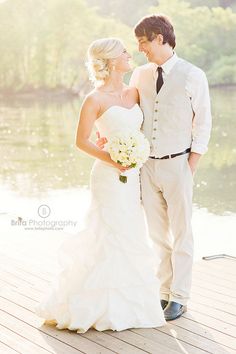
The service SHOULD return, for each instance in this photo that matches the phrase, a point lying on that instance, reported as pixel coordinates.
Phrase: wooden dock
(27, 266)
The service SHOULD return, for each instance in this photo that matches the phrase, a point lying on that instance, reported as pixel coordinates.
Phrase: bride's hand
(120, 167)
(100, 142)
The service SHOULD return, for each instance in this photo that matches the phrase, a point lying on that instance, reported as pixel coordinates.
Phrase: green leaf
(123, 179)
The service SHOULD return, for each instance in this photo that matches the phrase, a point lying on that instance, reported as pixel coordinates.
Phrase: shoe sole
(184, 309)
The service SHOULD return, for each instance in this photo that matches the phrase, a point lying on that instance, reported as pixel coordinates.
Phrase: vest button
(155, 129)
(153, 138)
(156, 110)
(155, 120)
(157, 102)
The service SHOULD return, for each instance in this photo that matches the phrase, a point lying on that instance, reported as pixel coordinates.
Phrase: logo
(44, 211)
(42, 223)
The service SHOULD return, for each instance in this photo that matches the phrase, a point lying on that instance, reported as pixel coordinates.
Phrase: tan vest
(168, 116)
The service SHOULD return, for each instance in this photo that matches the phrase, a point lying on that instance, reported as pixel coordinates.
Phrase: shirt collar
(169, 64)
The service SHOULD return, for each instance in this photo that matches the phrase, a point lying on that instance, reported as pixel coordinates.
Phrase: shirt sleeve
(198, 90)
(133, 82)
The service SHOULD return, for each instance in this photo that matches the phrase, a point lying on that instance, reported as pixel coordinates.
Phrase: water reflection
(215, 181)
(38, 153)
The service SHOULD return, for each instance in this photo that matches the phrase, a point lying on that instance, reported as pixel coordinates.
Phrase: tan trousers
(167, 187)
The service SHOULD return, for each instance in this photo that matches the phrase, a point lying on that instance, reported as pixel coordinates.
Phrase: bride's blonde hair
(99, 54)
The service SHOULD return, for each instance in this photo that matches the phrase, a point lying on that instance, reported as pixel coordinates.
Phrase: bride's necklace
(119, 95)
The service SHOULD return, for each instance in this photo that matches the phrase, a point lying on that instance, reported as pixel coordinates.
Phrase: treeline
(130, 12)
(43, 43)
(205, 36)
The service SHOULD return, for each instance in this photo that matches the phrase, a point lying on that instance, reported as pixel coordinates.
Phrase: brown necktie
(160, 81)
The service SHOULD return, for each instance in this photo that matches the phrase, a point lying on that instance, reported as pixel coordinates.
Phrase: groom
(174, 98)
(175, 101)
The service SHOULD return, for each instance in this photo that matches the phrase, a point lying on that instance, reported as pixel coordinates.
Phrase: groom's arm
(198, 90)
(133, 82)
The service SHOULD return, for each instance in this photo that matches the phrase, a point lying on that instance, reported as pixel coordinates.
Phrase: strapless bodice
(118, 119)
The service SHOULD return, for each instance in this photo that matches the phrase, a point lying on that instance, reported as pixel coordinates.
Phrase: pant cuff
(164, 297)
(179, 300)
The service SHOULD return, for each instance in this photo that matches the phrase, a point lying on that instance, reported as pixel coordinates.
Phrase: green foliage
(223, 71)
(205, 36)
(128, 12)
(43, 43)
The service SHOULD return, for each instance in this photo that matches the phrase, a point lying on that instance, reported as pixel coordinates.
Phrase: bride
(108, 278)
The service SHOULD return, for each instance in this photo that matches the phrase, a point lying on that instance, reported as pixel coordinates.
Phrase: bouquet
(129, 149)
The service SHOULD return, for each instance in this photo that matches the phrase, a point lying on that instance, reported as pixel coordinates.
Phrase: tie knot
(159, 69)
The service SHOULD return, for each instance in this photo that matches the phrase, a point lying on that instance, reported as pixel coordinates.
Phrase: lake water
(41, 165)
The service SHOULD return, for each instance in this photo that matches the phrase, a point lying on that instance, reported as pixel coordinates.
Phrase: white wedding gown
(108, 278)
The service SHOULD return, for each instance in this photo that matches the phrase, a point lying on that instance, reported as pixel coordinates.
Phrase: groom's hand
(193, 161)
(100, 142)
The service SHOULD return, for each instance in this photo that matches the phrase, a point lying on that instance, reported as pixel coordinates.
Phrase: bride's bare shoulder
(92, 96)
(92, 99)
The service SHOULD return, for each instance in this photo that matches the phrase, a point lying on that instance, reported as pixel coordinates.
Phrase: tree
(44, 42)
(204, 35)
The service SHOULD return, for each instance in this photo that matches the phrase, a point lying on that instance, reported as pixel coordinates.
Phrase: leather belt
(171, 156)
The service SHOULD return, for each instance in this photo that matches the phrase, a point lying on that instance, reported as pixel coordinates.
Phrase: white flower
(129, 148)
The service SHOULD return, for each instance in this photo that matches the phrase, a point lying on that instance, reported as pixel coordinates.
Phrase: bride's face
(122, 63)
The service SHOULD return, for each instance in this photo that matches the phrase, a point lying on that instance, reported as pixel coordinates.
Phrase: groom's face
(152, 49)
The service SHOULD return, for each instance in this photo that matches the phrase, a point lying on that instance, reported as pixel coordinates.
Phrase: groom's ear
(158, 38)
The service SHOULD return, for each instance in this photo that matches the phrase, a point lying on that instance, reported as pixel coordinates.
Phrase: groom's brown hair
(151, 26)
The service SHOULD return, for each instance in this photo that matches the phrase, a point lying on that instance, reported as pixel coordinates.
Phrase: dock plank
(209, 326)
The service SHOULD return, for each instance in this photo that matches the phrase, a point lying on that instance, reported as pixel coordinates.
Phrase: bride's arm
(88, 114)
